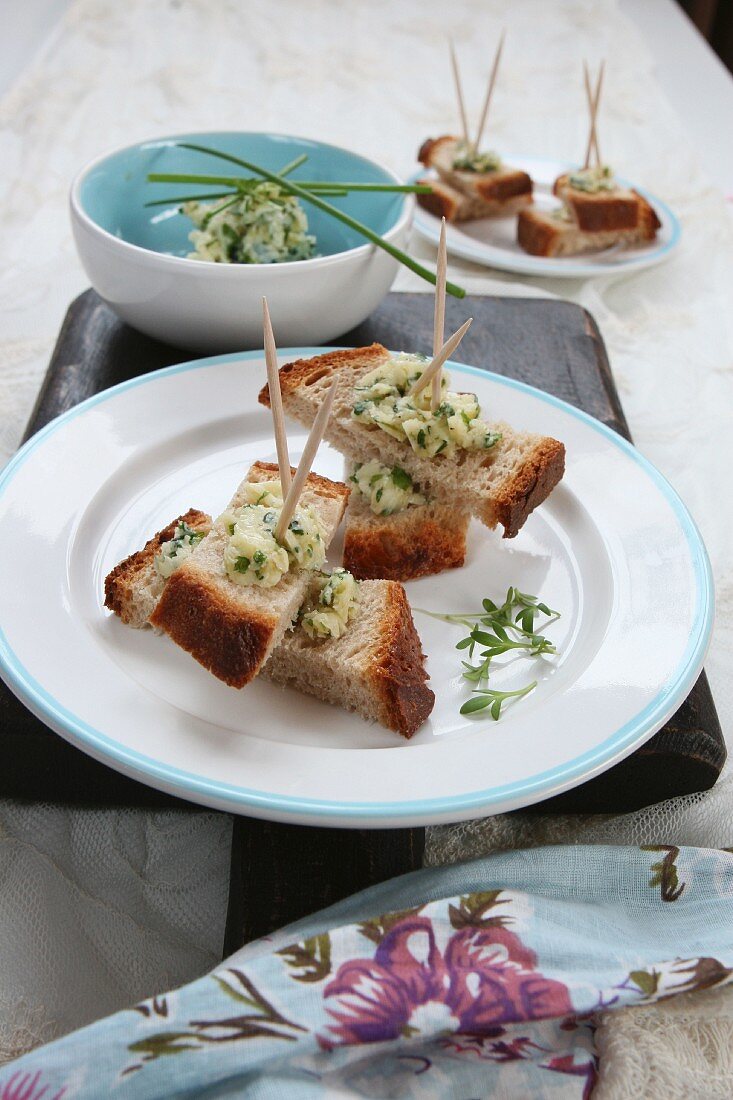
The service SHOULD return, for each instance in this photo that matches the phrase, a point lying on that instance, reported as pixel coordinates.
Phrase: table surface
(137, 900)
(693, 77)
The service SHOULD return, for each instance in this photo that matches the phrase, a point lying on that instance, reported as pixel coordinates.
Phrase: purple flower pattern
(485, 980)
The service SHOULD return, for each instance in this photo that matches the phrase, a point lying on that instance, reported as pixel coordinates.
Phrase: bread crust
(539, 235)
(118, 584)
(500, 188)
(443, 201)
(324, 486)
(608, 210)
(536, 235)
(410, 544)
(304, 372)
(398, 671)
(431, 147)
(539, 475)
(220, 635)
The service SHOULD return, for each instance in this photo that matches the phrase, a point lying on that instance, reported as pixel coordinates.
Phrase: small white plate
(492, 242)
(613, 549)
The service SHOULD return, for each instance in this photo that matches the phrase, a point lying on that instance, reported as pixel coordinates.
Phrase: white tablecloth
(97, 910)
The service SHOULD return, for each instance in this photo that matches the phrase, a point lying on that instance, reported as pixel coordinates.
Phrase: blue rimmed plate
(492, 242)
(613, 549)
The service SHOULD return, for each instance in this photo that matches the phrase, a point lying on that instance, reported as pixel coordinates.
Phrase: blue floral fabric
(477, 980)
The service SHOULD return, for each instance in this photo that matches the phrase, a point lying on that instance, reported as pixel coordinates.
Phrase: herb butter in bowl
(189, 263)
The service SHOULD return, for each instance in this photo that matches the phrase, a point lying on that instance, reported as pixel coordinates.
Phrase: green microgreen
(515, 627)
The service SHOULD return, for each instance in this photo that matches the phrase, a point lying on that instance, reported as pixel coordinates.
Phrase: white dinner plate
(492, 242)
(613, 549)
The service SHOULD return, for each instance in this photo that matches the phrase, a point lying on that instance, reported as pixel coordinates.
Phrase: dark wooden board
(281, 872)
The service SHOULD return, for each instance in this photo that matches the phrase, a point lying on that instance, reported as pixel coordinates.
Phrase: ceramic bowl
(136, 255)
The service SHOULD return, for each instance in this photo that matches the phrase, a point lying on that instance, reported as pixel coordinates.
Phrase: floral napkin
(476, 980)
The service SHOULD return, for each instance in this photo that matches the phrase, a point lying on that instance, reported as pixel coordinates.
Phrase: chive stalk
(315, 200)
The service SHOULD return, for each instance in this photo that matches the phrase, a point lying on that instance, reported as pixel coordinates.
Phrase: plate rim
(241, 799)
(552, 267)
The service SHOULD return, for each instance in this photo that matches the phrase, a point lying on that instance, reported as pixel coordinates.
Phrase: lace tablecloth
(100, 909)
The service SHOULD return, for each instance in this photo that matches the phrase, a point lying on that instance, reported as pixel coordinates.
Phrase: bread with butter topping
(376, 668)
(500, 486)
(231, 629)
(418, 541)
(461, 195)
(544, 233)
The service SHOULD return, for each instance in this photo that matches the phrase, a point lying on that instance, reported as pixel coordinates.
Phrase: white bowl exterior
(218, 307)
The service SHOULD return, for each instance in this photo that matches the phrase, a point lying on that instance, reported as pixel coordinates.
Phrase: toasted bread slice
(499, 486)
(603, 211)
(446, 202)
(231, 629)
(494, 194)
(542, 234)
(134, 587)
(376, 668)
(419, 541)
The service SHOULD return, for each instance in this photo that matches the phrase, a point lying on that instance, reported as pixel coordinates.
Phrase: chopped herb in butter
(253, 555)
(381, 400)
(176, 550)
(468, 159)
(388, 489)
(593, 180)
(331, 606)
(263, 225)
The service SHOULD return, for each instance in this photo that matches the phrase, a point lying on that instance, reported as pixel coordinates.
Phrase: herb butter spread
(468, 159)
(388, 489)
(329, 614)
(381, 400)
(593, 180)
(176, 550)
(262, 225)
(253, 555)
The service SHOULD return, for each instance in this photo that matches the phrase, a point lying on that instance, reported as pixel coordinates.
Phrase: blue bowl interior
(113, 194)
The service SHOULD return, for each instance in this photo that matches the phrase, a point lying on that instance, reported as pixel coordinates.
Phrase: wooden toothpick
(445, 352)
(459, 91)
(593, 104)
(489, 91)
(304, 466)
(276, 402)
(439, 314)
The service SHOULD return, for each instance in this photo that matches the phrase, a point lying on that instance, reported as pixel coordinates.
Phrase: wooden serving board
(553, 345)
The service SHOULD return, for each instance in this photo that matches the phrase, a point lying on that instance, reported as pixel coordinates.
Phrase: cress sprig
(311, 192)
(500, 629)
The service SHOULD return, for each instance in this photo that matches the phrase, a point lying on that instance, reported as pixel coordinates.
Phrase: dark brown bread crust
(504, 187)
(227, 640)
(535, 235)
(604, 211)
(304, 372)
(391, 553)
(398, 671)
(117, 584)
(441, 201)
(538, 476)
(429, 146)
(648, 218)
